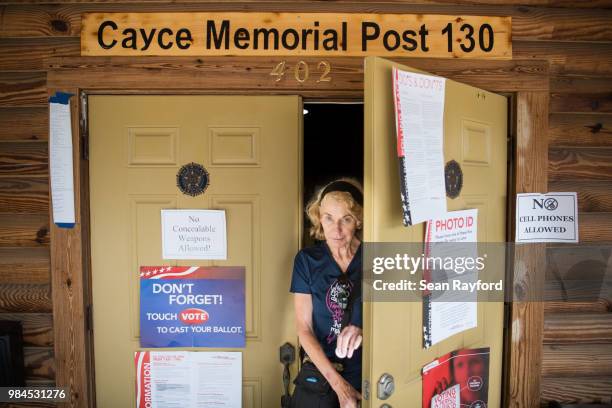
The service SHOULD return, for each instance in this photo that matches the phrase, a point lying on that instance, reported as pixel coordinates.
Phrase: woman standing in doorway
(323, 278)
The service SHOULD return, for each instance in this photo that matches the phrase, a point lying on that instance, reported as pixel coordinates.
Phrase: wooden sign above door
(304, 34)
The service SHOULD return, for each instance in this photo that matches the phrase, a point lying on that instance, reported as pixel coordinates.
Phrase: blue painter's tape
(65, 224)
(60, 97)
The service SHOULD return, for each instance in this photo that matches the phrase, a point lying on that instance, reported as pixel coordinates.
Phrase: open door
(475, 135)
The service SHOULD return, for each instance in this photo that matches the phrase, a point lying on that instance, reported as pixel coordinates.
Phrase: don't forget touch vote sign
(192, 306)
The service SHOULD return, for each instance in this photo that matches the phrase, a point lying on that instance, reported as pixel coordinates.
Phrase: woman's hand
(348, 341)
(347, 395)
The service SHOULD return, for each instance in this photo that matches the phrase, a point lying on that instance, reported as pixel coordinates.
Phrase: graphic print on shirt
(337, 301)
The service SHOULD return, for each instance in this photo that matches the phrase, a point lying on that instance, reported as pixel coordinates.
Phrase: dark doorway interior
(333, 147)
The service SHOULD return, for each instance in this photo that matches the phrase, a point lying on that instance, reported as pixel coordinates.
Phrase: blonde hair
(314, 206)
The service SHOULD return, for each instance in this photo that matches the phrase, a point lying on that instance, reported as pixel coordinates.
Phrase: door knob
(386, 386)
(287, 357)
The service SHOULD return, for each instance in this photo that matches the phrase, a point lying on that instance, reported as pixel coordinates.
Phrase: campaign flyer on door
(195, 306)
(167, 379)
(457, 379)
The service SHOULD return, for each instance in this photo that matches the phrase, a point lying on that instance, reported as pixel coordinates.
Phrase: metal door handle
(385, 386)
(287, 357)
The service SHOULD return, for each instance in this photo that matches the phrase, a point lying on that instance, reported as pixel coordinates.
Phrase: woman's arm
(303, 316)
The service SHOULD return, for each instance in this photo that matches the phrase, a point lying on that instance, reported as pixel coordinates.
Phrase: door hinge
(84, 127)
(89, 318)
(366, 390)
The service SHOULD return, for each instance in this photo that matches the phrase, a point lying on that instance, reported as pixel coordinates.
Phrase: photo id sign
(551, 217)
(194, 234)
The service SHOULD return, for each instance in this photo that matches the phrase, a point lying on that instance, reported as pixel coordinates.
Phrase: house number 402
(301, 71)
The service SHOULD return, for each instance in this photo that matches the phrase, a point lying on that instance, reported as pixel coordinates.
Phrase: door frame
(527, 80)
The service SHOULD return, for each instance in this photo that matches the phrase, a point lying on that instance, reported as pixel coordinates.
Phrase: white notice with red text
(445, 314)
(419, 118)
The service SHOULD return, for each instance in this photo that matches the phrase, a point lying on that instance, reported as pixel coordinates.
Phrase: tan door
(475, 135)
(251, 149)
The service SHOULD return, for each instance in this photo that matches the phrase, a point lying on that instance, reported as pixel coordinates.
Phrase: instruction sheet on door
(169, 379)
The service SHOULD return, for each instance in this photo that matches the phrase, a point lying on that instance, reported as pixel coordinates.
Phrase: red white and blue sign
(182, 306)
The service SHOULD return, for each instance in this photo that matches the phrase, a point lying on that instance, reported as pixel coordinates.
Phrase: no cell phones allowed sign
(551, 217)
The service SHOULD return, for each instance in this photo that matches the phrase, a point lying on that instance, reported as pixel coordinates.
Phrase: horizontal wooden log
(591, 360)
(578, 328)
(25, 265)
(24, 195)
(580, 102)
(579, 130)
(579, 164)
(28, 54)
(595, 227)
(539, 3)
(20, 89)
(587, 262)
(24, 158)
(39, 363)
(595, 306)
(24, 230)
(580, 85)
(24, 124)
(589, 289)
(593, 196)
(240, 74)
(570, 390)
(25, 298)
(529, 23)
(577, 59)
(37, 328)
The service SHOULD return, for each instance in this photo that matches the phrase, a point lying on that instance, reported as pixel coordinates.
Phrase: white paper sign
(194, 234)
(170, 379)
(60, 163)
(452, 312)
(218, 379)
(419, 114)
(551, 217)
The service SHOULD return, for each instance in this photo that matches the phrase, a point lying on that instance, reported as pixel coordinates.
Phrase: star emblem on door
(453, 177)
(192, 179)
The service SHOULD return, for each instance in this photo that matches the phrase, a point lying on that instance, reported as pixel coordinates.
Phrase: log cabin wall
(574, 36)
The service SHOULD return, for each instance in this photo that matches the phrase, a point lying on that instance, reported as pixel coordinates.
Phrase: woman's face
(338, 223)
(470, 372)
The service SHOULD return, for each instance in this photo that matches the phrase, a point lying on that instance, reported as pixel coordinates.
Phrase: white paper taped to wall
(60, 160)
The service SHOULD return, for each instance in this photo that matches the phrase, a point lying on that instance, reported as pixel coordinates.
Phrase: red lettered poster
(143, 379)
(457, 379)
